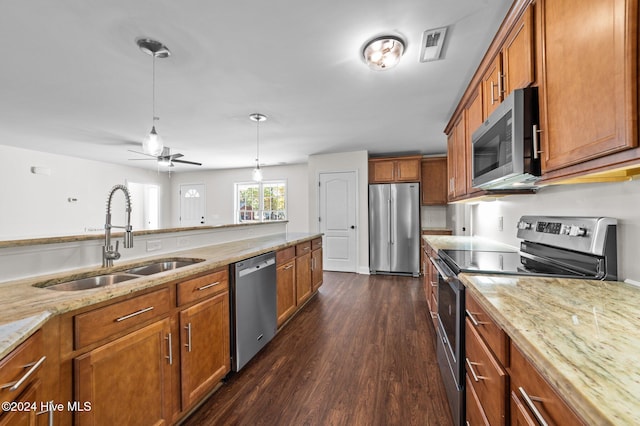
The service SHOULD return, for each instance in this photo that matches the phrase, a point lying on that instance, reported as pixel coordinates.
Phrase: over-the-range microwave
(505, 151)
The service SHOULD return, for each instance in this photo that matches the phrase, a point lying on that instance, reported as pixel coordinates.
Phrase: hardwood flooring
(361, 352)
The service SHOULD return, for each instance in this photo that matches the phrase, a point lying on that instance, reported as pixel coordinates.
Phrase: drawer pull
(188, 344)
(170, 357)
(476, 378)
(529, 401)
(34, 366)
(136, 313)
(473, 318)
(288, 267)
(204, 287)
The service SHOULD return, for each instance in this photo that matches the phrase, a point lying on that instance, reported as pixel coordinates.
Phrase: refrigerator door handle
(391, 223)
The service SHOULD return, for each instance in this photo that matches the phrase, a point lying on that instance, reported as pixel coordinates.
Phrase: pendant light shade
(256, 175)
(384, 52)
(152, 143)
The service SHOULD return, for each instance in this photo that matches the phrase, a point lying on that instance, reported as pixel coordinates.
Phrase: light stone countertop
(24, 308)
(583, 336)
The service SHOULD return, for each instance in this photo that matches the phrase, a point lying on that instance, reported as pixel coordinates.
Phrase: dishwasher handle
(256, 268)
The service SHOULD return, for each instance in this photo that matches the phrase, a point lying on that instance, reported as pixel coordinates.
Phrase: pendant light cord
(153, 89)
(258, 143)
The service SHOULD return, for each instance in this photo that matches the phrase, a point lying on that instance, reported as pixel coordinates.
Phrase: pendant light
(152, 143)
(257, 172)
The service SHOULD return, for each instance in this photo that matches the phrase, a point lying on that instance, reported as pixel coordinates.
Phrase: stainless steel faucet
(108, 252)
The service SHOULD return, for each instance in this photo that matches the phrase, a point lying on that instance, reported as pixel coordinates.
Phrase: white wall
(346, 161)
(620, 200)
(36, 205)
(220, 193)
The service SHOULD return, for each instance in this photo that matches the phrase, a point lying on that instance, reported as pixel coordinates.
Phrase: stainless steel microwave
(505, 151)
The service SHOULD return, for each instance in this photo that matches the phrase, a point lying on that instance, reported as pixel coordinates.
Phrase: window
(261, 201)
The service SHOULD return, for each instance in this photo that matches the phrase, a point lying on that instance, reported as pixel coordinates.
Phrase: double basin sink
(103, 280)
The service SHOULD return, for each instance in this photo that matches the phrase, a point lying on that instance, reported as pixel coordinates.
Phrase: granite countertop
(583, 336)
(462, 242)
(25, 308)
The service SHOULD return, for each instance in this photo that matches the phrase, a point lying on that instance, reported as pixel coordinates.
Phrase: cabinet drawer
(542, 401)
(316, 243)
(201, 287)
(494, 336)
(93, 326)
(474, 413)
(285, 254)
(21, 367)
(303, 248)
(488, 378)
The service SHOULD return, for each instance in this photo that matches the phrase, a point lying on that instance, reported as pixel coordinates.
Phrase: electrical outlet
(500, 223)
(154, 245)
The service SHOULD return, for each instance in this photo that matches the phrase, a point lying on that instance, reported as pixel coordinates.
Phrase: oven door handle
(440, 266)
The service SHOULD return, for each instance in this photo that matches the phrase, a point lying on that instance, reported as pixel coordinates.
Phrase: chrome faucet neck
(108, 252)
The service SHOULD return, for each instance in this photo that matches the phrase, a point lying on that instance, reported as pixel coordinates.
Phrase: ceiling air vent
(432, 42)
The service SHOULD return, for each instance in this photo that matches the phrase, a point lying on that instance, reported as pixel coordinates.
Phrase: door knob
(353, 227)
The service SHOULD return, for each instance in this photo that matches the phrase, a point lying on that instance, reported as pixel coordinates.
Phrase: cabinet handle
(170, 357)
(188, 345)
(476, 378)
(49, 412)
(529, 401)
(34, 366)
(473, 318)
(288, 267)
(536, 148)
(204, 287)
(500, 84)
(136, 313)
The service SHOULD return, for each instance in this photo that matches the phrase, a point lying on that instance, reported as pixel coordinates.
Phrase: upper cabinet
(588, 91)
(395, 169)
(584, 61)
(434, 181)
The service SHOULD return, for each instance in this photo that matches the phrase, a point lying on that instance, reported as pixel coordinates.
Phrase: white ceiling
(73, 81)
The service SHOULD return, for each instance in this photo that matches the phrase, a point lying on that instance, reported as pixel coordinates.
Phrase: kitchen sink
(157, 267)
(104, 280)
(92, 282)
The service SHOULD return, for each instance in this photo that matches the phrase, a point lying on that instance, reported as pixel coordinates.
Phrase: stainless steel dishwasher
(253, 303)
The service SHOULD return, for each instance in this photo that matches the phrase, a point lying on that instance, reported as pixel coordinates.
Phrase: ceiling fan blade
(141, 159)
(174, 156)
(142, 153)
(187, 162)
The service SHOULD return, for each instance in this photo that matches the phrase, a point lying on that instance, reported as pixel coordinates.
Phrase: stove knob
(577, 231)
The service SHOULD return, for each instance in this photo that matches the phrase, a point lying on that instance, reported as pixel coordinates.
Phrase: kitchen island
(582, 336)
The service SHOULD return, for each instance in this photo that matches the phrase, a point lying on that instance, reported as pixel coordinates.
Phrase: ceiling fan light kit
(152, 143)
(256, 174)
(383, 52)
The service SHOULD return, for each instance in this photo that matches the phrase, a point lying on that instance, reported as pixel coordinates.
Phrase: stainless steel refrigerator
(394, 228)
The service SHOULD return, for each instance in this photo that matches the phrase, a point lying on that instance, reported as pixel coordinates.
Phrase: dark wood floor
(361, 352)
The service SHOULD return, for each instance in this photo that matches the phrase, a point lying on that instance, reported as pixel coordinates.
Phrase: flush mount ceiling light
(383, 52)
(152, 143)
(257, 172)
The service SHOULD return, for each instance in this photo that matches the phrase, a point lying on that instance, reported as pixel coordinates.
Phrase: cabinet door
(316, 269)
(451, 164)
(589, 91)
(286, 298)
(517, 54)
(381, 171)
(204, 350)
(407, 170)
(127, 381)
(434, 181)
(492, 86)
(461, 155)
(303, 278)
(474, 121)
(33, 416)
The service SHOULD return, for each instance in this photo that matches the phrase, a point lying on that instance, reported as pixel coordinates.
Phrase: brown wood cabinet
(457, 154)
(533, 401)
(286, 283)
(474, 113)
(316, 264)
(394, 169)
(588, 95)
(303, 272)
(21, 372)
(128, 380)
(518, 54)
(485, 358)
(430, 281)
(434, 181)
(492, 90)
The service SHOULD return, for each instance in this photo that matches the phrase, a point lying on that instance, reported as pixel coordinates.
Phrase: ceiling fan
(165, 158)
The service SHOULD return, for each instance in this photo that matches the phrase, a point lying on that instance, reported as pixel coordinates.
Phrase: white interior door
(192, 204)
(338, 215)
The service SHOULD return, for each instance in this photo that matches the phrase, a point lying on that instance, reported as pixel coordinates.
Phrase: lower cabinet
(533, 401)
(204, 349)
(316, 264)
(286, 283)
(128, 380)
(303, 272)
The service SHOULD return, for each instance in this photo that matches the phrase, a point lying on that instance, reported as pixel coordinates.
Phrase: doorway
(338, 213)
(192, 204)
